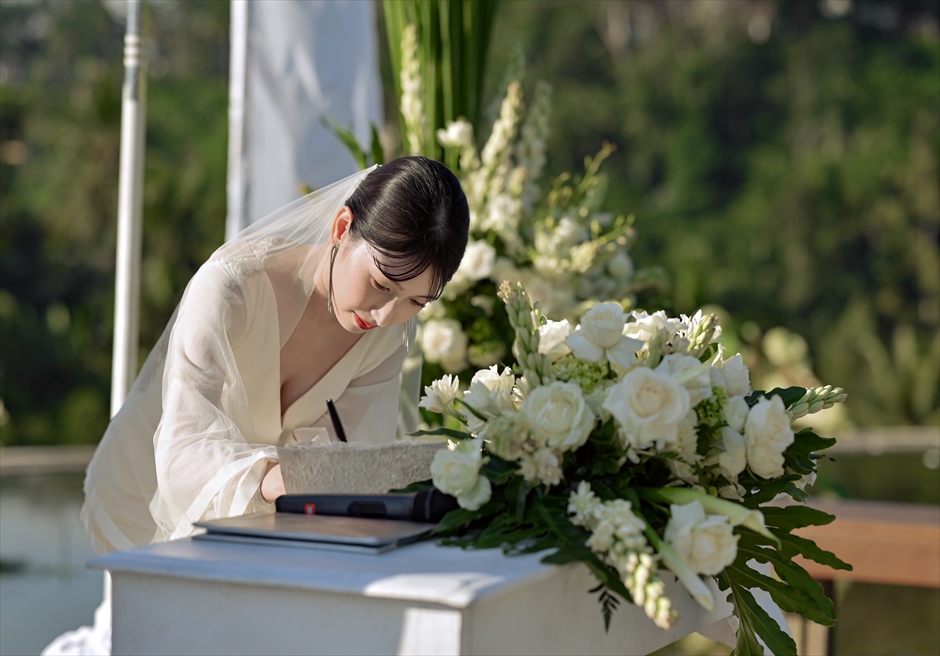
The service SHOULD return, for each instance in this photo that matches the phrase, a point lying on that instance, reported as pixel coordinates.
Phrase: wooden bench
(885, 542)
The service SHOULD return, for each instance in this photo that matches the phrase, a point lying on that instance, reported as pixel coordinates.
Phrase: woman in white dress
(314, 302)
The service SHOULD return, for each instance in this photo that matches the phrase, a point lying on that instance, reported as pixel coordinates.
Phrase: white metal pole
(130, 186)
(236, 189)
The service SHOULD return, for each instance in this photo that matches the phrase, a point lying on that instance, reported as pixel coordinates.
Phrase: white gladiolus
(440, 395)
(412, 107)
(706, 542)
(459, 134)
(581, 504)
(490, 394)
(542, 466)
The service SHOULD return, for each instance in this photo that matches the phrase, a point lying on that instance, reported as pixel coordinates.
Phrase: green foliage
(792, 181)
(60, 134)
(454, 39)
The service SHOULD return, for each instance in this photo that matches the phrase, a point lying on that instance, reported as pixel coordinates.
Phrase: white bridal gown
(155, 473)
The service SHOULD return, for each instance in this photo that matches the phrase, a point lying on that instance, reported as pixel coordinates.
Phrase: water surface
(45, 588)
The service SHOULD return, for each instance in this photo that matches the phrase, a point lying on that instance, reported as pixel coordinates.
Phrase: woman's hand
(272, 485)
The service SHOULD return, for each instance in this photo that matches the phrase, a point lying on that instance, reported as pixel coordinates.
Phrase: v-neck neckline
(331, 373)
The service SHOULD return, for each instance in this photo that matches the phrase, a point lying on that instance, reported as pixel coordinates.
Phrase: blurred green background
(782, 159)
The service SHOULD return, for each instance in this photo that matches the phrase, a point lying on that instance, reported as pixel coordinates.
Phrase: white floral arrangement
(560, 244)
(633, 443)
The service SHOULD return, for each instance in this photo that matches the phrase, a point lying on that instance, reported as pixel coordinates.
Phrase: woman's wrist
(272, 484)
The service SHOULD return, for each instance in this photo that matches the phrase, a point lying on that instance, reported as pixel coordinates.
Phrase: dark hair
(414, 211)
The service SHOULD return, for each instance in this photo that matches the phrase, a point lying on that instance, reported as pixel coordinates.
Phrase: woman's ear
(341, 223)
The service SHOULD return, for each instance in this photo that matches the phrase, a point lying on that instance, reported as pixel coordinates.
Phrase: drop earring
(329, 291)
(406, 329)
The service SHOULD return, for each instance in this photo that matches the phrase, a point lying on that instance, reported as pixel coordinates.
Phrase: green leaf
(808, 442)
(449, 432)
(754, 621)
(348, 138)
(787, 518)
(809, 549)
(790, 599)
(378, 153)
(453, 521)
(815, 606)
(768, 491)
(796, 493)
(789, 395)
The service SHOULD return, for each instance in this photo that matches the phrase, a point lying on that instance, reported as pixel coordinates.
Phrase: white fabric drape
(294, 62)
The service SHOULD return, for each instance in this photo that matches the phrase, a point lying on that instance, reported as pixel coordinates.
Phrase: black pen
(337, 424)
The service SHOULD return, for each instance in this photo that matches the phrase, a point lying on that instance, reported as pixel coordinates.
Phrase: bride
(314, 302)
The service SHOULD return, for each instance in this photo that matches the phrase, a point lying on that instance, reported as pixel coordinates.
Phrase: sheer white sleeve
(205, 466)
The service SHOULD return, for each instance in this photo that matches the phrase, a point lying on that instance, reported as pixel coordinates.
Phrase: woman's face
(363, 297)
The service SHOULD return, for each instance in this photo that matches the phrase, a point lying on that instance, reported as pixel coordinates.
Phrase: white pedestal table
(195, 597)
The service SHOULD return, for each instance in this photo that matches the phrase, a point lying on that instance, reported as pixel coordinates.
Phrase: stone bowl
(355, 468)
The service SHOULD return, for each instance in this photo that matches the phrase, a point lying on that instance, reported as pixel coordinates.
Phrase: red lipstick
(362, 324)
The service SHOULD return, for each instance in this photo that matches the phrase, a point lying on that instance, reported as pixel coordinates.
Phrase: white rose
(491, 390)
(602, 325)
(476, 496)
(552, 338)
(600, 335)
(736, 410)
(443, 339)
(737, 378)
(457, 472)
(454, 364)
(696, 378)
(478, 260)
(558, 415)
(648, 405)
(767, 434)
(706, 543)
